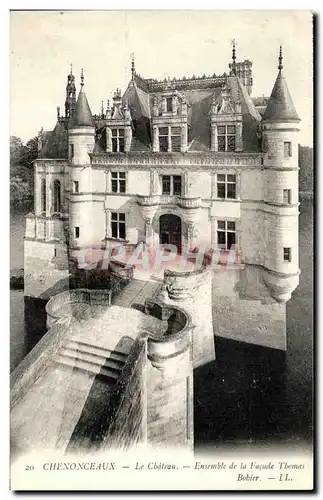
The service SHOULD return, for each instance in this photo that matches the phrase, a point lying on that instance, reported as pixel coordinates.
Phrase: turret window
(226, 138)
(57, 196)
(287, 195)
(287, 149)
(76, 186)
(118, 140)
(226, 186)
(71, 151)
(77, 232)
(287, 254)
(118, 225)
(118, 182)
(43, 195)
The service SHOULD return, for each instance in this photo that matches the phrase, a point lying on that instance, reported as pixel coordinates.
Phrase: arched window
(57, 196)
(43, 195)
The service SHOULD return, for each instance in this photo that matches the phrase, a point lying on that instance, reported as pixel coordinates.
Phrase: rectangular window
(287, 196)
(287, 149)
(176, 138)
(226, 234)
(169, 104)
(226, 138)
(172, 185)
(118, 225)
(169, 139)
(76, 186)
(118, 182)
(163, 139)
(226, 186)
(118, 140)
(77, 232)
(287, 254)
(71, 151)
(166, 184)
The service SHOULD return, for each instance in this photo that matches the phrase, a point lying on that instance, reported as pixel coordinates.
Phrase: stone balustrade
(80, 295)
(148, 200)
(189, 203)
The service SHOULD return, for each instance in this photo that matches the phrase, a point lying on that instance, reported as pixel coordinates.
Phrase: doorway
(170, 231)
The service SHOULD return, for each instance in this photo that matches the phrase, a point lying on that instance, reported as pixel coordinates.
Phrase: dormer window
(226, 137)
(169, 139)
(118, 140)
(169, 104)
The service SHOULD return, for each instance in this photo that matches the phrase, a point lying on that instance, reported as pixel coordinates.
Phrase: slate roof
(199, 95)
(56, 142)
(82, 116)
(280, 106)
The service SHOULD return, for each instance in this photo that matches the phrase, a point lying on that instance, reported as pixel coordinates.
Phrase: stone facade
(188, 162)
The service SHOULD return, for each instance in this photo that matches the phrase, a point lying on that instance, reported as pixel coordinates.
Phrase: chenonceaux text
(50, 466)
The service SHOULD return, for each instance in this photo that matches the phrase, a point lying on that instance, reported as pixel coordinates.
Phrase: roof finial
(280, 59)
(234, 56)
(132, 65)
(71, 66)
(58, 112)
(102, 109)
(82, 79)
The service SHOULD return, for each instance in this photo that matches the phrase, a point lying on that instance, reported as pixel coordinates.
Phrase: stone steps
(99, 351)
(94, 360)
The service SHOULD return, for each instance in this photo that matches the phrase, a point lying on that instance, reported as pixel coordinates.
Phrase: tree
(305, 162)
(21, 172)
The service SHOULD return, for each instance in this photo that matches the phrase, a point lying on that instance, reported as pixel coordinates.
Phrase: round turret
(81, 140)
(280, 147)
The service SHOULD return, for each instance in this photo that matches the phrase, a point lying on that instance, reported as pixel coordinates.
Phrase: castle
(195, 163)
(189, 162)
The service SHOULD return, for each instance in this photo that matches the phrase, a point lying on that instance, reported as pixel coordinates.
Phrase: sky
(165, 43)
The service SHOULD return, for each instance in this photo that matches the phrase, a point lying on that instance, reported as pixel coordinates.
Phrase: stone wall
(126, 422)
(37, 361)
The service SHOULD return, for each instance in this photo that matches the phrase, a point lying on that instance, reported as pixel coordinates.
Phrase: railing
(148, 200)
(189, 203)
(79, 295)
(166, 199)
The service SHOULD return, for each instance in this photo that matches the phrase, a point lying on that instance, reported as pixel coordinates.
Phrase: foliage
(21, 172)
(305, 162)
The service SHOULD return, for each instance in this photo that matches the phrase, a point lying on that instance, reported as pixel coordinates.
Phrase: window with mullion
(172, 185)
(118, 182)
(118, 140)
(226, 234)
(226, 138)
(226, 186)
(118, 225)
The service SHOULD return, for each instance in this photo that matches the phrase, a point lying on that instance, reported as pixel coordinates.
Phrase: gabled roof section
(82, 116)
(251, 117)
(280, 106)
(56, 142)
(138, 101)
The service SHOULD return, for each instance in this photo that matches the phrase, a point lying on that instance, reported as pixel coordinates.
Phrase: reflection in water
(253, 394)
(250, 393)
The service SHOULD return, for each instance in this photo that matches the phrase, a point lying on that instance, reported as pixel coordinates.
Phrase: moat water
(250, 394)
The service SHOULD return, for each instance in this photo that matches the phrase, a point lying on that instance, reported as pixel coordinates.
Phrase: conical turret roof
(280, 106)
(82, 116)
